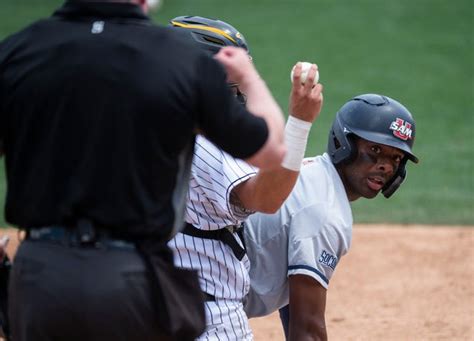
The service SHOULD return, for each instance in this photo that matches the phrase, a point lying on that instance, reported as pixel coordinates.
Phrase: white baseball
(305, 66)
(154, 4)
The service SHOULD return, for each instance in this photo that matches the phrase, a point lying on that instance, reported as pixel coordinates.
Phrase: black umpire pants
(59, 292)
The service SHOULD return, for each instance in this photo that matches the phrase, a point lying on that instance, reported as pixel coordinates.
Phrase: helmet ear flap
(391, 186)
(342, 147)
(352, 146)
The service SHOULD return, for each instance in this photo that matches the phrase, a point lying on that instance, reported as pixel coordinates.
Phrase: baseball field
(398, 282)
(410, 272)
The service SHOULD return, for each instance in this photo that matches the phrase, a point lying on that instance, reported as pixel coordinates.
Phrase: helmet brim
(388, 141)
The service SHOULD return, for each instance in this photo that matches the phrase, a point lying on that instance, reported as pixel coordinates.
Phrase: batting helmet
(212, 34)
(378, 119)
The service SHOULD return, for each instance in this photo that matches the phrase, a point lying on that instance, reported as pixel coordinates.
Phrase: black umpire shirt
(98, 110)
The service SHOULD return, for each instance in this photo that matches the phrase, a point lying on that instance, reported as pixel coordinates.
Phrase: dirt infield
(399, 283)
(396, 283)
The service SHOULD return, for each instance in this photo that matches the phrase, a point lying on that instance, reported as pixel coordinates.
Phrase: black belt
(225, 235)
(83, 234)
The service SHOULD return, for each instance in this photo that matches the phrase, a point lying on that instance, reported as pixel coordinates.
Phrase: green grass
(417, 51)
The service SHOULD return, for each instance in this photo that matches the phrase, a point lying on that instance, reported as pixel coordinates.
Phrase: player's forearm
(267, 191)
(307, 308)
(309, 330)
(261, 103)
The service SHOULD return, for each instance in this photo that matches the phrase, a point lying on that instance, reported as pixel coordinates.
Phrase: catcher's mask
(211, 35)
(378, 119)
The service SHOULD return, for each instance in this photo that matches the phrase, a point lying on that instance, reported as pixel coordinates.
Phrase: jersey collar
(82, 9)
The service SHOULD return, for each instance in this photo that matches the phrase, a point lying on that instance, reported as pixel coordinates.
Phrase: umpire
(98, 113)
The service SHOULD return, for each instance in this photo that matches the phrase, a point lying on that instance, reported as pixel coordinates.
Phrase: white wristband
(296, 136)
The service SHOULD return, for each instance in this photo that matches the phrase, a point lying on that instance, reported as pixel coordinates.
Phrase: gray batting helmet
(378, 119)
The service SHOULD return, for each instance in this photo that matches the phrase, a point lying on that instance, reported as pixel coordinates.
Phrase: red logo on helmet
(401, 129)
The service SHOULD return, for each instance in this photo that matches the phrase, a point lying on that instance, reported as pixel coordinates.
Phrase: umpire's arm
(260, 103)
(307, 308)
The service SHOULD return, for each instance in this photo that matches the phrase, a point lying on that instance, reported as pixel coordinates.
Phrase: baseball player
(224, 191)
(295, 251)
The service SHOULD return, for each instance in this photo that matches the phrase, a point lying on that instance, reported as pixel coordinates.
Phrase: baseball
(305, 66)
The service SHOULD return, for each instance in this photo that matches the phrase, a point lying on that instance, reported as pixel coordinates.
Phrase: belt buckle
(234, 228)
(86, 232)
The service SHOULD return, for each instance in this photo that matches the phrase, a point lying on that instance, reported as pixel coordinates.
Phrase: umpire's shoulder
(9, 43)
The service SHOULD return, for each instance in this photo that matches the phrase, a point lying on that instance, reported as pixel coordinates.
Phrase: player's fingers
(319, 96)
(309, 84)
(317, 90)
(297, 75)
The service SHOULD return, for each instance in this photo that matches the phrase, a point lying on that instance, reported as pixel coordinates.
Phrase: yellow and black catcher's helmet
(211, 34)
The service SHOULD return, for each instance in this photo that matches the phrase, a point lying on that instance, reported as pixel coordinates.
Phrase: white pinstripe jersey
(214, 174)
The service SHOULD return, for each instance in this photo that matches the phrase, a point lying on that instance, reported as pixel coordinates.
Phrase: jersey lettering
(327, 259)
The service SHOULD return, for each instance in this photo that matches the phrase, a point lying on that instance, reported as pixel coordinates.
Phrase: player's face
(373, 167)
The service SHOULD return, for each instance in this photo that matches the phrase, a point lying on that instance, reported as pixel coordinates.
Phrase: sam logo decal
(401, 129)
(327, 259)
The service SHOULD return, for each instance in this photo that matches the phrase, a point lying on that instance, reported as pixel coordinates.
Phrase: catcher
(294, 252)
(223, 191)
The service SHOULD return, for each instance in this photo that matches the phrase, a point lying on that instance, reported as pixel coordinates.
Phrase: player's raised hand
(237, 64)
(306, 99)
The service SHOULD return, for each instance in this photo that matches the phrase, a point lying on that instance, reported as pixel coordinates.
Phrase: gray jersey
(307, 236)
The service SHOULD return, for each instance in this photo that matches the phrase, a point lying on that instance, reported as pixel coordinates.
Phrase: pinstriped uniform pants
(226, 321)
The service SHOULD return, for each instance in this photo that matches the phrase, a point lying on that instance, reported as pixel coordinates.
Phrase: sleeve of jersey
(236, 171)
(315, 246)
(217, 173)
(222, 119)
